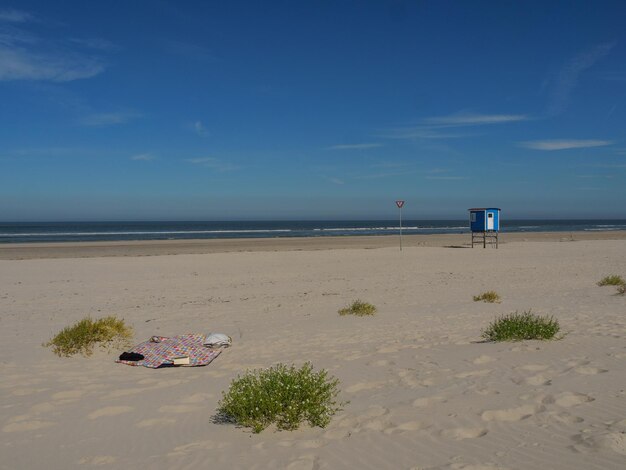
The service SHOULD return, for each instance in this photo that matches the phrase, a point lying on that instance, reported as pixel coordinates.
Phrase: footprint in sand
(124, 392)
(303, 463)
(568, 399)
(408, 426)
(535, 380)
(110, 411)
(428, 401)
(40, 408)
(473, 373)
(534, 367)
(180, 408)
(98, 460)
(586, 370)
(197, 398)
(409, 377)
(379, 425)
(487, 391)
(68, 395)
(538, 380)
(381, 363)
(586, 442)
(512, 414)
(22, 426)
(563, 418)
(463, 433)
(195, 447)
(364, 386)
(484, 359)
(22, 392)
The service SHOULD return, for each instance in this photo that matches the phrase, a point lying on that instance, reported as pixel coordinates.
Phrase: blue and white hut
(485, 225)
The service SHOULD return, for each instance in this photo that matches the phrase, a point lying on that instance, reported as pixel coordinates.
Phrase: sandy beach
(424, 392)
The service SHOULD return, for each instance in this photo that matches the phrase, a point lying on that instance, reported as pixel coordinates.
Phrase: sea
(14, 232)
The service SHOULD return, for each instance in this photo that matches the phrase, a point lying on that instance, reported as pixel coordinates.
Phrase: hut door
(490, 221)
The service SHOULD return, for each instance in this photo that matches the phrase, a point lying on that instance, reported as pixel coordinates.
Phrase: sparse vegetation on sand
(521, 326)
(489, 297)
(612, 280)
(358, 308)
(281, 395)
(87, 333)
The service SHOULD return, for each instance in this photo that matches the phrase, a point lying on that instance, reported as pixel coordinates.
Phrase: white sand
(424, 393)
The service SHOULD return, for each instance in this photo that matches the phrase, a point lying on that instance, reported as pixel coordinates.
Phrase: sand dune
(424, 392)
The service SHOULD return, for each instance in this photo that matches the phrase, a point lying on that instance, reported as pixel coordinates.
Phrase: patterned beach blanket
(160, 351)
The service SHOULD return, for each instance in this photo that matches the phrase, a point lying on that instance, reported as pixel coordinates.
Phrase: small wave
(99, 234)
(381, 229)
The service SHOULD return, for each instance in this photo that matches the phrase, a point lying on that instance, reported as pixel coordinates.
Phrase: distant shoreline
(17, 251)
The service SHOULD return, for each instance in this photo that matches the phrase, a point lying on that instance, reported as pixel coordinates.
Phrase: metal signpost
(400, 204)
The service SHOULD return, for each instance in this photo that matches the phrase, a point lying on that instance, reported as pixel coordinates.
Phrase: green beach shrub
(359, 309)
(612, 280)
(489, 297)
(521, 326)
(86, 333)
(281, 395)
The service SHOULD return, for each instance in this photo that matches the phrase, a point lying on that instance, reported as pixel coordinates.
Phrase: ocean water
(11, 232)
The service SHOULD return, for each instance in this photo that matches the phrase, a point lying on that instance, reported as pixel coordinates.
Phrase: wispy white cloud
(20, 64)
(595, 176)
(419, 132)
(446, 177)
(354, 146)
(335, 180)
(213, 163)
(609, 165)
(108, 119)
(389, 164)
(11, 15)
(473, 119)
(567, 79)
(563, 144)
(144, 157)
(380, 175)
(26, 56)
(431, 128)
(199, 129)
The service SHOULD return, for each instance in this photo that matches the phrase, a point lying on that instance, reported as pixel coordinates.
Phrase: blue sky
(198, 110)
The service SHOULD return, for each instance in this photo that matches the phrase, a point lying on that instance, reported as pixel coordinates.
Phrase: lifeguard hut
(485, 225)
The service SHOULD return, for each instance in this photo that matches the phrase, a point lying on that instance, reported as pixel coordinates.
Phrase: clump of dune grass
(83, 335)
(281, 395)
(621, 290)
(489, 297)
(359, 309)
(612, 280)
(521, 326)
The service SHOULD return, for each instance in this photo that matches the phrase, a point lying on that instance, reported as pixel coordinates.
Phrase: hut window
(473, 217)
